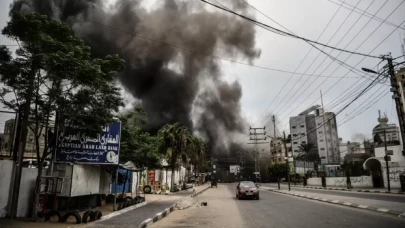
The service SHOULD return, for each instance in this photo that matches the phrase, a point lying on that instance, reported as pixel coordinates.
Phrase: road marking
(348, 204)
(316, 198)
(382, 210)
(362, 206)
(335, 201)
(324, 200)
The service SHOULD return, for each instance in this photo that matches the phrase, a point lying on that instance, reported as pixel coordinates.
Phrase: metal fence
(7, 133)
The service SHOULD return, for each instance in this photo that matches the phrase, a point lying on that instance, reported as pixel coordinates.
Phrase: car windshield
(247, 185)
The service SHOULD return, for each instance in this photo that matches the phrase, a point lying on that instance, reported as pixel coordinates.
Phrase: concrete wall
(6, 168)
(357, 182)
(394, 176)
(397, 157)
(26, 195)
(26, 188)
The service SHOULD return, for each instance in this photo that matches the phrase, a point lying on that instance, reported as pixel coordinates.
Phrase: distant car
(247, 189)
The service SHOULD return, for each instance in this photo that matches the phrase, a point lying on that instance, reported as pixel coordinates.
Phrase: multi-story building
(30, 151)
(385, 131)
(400, 74)
(319, 129)
(277, 150)
(327, 136)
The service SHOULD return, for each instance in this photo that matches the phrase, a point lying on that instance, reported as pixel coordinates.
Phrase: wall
(394, 176)
(357, 182)
(397, 157)
(105, 179)
(85, 180)
(6, 168)
(28, 178)
(27, 187)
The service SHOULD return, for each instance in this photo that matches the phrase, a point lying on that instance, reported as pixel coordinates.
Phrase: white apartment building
(327, 136)
(309, 127)
(277, 151)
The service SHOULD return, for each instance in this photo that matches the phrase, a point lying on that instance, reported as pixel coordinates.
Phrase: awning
(130, 166)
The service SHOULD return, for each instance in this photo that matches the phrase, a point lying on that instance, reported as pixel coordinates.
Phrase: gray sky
(308, 19)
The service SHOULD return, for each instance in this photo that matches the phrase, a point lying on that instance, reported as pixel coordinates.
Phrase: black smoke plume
(167, 50)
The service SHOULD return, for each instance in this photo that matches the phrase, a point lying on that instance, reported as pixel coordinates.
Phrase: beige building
(30, 152)
(277, 150)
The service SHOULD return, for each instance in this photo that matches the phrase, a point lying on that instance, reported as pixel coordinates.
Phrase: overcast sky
(309, 19)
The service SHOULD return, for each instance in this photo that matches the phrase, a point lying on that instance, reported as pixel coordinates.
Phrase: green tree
(53, 78)
(173, 142)
(277, 170)
(305, 152)
(137, 145)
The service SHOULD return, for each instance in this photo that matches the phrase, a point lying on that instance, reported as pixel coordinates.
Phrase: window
(321, 140)
(320, 132)
(323, 157)
(295, 150)
(302, 133)
(303, 142)
(294, 135)
(322, 148)
(293, 127)
(302, 126)
(295, 142)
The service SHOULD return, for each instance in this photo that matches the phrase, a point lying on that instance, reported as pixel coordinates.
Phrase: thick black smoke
(166, 48)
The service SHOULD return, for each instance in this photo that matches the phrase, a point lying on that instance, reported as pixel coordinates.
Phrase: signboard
(233, 168)
(77, 147)
(389, 152)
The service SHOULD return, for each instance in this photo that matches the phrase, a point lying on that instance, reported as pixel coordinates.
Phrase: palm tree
(173, 144)
(197, 157)
(305, 150)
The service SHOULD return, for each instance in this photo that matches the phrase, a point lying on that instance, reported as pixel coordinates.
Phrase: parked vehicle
(247, 189)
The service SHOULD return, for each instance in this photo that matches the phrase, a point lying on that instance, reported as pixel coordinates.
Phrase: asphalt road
(374, 196)
(278, 210)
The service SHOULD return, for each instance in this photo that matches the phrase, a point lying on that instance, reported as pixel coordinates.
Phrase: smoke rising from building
(174, 84)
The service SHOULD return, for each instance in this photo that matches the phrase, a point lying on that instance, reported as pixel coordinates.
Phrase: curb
(342, 203)
(348, 190)
(157, 217)
(115, 213)
(167, 211)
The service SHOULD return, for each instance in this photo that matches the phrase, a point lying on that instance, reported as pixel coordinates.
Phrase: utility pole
(397, 97)
(257, 131)
(386, 158)
(286, 161)
(274, 137)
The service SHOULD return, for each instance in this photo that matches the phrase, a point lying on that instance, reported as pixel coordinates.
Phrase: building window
(294, 135)
(321, 140)
(320, 132)
(295, 150)
(302, 133)
(293, 127)
(303, 142)
(323, 157)
(322, 148)
(295, 142)
(302, 126)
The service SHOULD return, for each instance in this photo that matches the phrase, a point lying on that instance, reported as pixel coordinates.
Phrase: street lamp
(369, 71)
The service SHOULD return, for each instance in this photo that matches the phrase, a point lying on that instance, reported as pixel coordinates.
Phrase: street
(272, 210)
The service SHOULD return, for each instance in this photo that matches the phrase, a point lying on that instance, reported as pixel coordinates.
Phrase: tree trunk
(22, 140)
(172, 180)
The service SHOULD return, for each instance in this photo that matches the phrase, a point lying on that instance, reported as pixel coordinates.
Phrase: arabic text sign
(76, 147)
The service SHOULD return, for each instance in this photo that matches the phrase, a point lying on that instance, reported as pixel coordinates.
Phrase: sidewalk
(396, 208)
(155, 204)
(371, 190)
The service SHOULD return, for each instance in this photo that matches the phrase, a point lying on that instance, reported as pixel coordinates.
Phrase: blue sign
(76, 147)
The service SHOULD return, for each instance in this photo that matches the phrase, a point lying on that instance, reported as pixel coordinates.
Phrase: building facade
(327, 136)
(319, 129)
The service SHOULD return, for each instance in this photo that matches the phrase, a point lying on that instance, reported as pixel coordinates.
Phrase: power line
(303, 59)
(366, 13)
(302, 86)
(356, 64)
(286, 33)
